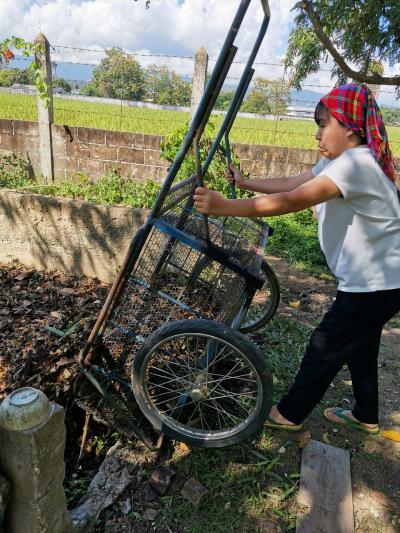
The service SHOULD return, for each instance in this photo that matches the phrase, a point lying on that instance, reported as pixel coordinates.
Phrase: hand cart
(173, 313)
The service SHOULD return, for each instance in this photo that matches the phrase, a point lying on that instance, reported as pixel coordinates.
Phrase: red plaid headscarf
(354, 106)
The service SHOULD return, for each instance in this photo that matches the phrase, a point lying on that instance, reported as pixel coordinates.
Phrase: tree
(164, 86)
(7, 77)
(34, 72)
(268, 97)
(362, 32)
(391, 116)
(15, 75)
(157, 83)
(118, 75)
(60, 82)
(224, 99)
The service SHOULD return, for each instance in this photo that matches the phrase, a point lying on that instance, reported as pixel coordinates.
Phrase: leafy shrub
(14, 171)
(215, 175)
(295, 237)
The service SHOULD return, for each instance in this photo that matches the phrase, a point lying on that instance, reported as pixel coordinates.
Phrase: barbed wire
(177, 56)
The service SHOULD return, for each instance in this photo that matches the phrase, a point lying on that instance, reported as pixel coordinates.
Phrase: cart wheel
(264, 303)
(200, 382)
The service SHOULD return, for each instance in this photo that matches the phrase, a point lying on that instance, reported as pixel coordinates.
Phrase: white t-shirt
(360, 232)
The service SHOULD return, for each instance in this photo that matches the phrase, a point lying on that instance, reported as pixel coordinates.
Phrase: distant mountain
(69, 71)
(305, 98)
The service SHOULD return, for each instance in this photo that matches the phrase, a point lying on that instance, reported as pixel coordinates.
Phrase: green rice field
(285, 132)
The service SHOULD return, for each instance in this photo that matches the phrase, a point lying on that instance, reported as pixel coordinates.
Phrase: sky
(169, 27)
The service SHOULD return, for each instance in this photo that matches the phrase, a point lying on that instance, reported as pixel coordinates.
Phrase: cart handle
(265, 7)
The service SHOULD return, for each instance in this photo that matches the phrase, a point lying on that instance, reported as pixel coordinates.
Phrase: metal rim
(215, 405)
(255, 312)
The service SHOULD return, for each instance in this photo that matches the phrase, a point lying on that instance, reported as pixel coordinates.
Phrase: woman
(358, 213)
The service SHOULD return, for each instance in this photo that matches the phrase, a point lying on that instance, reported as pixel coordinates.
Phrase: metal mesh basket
(242, 239)
(172, 280)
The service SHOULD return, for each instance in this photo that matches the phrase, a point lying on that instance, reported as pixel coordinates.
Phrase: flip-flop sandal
(271, 423)
(347, 421)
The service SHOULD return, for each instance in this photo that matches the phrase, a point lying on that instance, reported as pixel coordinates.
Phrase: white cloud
(168, 27)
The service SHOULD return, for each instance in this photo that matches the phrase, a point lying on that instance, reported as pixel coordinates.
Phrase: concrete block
(65, 163)
(118, 138)
(26, 127)
(279, 154)
(152, 157)
(264, 153)
(76, 237)
(138, 140)
(130, 155)
(32, 144)
(6, 126)
(90, 135)
(58, 147)
(277, 169)
(152, 141)
(16, 143)
(91, 166)
(246, 151)
(63, 132)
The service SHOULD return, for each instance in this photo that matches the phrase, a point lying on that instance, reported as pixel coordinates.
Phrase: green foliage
(224, 99)
(110, 189)
(27, 49)
(364, 32)
(215, 175)
(268, 97)
(14, 171)
(118, 75)
(7, 77)
(391, 116)
(60, 82)
(295, 237)
(164, 86)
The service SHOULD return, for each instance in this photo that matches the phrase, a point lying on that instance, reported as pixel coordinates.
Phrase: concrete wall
(135, 155)
(47, 233)
(92, 151)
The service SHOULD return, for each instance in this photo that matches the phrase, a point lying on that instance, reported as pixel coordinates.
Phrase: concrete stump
(33, 461)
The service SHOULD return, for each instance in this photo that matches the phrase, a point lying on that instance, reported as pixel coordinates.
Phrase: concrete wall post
(199, 79)
(45, 113)
(32, 459)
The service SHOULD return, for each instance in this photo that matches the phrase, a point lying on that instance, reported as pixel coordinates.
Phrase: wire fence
(292, 127)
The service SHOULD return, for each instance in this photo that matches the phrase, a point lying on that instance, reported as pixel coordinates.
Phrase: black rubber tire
(224, 334)
(272, 304)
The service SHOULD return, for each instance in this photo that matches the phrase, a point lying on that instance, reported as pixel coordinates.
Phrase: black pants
(349, 333)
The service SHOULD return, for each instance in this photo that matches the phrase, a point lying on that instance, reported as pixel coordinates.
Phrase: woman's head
(334, 137)
(351, 116)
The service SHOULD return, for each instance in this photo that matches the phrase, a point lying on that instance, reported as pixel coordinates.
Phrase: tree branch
(348, 71)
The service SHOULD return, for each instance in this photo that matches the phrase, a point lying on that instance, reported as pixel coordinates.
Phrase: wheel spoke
(200, 384)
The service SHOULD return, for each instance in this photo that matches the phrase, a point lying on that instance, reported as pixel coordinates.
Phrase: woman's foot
(277, 421)
(345, 417)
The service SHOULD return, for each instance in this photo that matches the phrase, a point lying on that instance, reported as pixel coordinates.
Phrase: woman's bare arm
(319, 189)
(267, 185)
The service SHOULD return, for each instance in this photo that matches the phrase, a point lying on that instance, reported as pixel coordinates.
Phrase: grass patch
(295, 238)
(286, 132)
(253, 486)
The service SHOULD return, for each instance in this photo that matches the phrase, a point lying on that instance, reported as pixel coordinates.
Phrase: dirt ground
(45, 317)
(375, 461)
